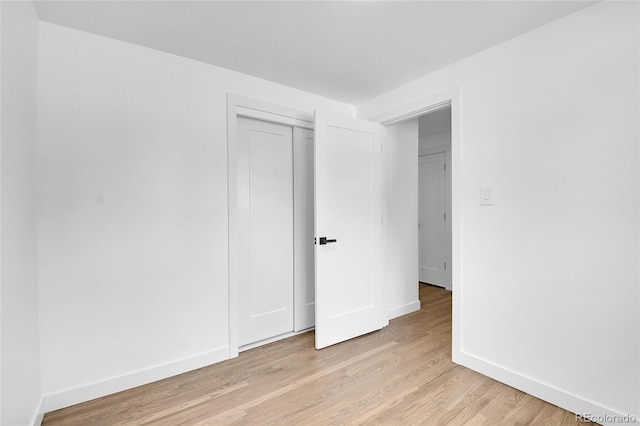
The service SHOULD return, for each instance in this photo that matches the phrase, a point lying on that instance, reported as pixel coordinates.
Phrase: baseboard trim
(39, 414)
(551, 394)
(398, 311)
(77, 395)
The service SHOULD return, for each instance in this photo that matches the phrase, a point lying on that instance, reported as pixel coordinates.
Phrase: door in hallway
(431, 219)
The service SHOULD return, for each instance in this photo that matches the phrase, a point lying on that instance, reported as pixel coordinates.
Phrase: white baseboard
(39, 414)
(69, 397)
(551, 394)
(398, 311)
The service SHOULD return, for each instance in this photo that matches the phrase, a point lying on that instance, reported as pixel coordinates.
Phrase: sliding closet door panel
(304, 249)
(265, 195)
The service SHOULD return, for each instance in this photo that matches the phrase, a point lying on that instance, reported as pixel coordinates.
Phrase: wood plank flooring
(399, 375)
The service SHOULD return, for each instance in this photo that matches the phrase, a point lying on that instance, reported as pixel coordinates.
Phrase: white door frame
(252, 108)
(415, 109)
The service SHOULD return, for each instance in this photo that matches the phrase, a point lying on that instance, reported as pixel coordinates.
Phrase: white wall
(20, 366)
(435, 122)
(400, 149)
(549, 276)
(434, 141)
(132, 211)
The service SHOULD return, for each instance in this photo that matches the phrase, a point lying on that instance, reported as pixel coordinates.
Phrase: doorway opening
(402, 129)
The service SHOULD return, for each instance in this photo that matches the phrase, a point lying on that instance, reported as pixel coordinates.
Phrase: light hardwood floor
(399, 375)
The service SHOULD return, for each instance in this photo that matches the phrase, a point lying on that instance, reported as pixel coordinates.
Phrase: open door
(348, 229)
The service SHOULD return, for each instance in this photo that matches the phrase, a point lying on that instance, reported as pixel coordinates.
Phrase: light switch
(487, 196)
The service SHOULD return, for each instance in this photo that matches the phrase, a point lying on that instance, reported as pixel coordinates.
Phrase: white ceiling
(351, 51)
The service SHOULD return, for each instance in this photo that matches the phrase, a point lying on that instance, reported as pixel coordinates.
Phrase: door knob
(324, 240)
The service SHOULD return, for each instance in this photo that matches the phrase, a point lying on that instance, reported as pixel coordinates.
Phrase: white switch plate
(486, 196)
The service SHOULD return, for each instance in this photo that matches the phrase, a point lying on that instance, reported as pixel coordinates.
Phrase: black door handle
(324, 240)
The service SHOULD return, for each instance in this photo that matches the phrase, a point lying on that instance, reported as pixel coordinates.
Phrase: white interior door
(265, 216)
(349, 299)
(431, 219)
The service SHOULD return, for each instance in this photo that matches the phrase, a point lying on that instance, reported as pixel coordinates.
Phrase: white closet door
(431, 220)
(348, 182)
(303, 218)
(265, 198)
